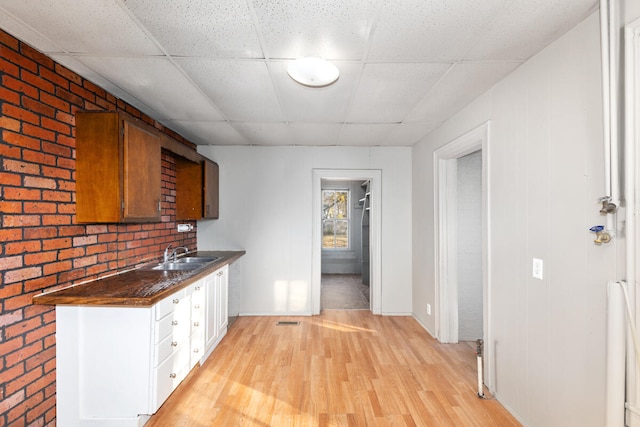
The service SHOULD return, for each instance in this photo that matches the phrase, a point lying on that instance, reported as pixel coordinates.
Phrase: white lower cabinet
(117, 365)
(216, 316)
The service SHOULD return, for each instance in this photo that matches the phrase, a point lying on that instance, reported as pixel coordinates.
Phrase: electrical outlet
(429, 309)
(537, 269)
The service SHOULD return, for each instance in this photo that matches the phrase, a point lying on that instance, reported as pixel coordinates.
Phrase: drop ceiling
(215, 71)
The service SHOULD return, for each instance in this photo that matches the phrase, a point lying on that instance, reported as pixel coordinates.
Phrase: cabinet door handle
(174, 343)
(196, 350)
(220, 273)
(172, 375)
(174, 323)
(176, 301)
(197, 288)
(196, 324)
(197, 306)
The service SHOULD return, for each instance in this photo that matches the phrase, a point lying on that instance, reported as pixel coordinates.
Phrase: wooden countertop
(141, 287)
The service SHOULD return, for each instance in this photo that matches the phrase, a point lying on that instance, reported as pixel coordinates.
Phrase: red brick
(10, 207)
(20, 220)
(71, 253)
(21, 167)
(13, 248)
(38, 132)
(10, 179)
(8, 123)
(96, 249)
(55, 102)
(54, 77)
(38, 157)
(67, 74)
(40, 358)
(7, 347)
(22, 327)
(74, 230)
(9, 291)
(69, 97)
(10, 235)
(94, 270)
(20, 86)
(57, 267)
(38, 182)
(20, 140)
(39, 207)
(56, 219)
(10, 263)
(67, 118)
(18, 59)
(9, 96)
(40, 258)
(37, 81)
(21, 381)
(37, 56)
(66, 140)
(84, 262)
(40, 233)
(39, 283)
(19, 193)
(9, 68)
(22, 274)
(18, 302)
(71, 276)
(11, 401)
(84, 240)
(10, 151)
(20, 114)
(55, 243)
(38, 107)
(67, 208)
(53, 172)
(40, 333)
(10, 318)
(56, 196)
(67, 164)
(56, 125)
(23, 353)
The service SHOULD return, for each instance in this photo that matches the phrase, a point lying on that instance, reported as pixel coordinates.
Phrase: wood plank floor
(342, 368)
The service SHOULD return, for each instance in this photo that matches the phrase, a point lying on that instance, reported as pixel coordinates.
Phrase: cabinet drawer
(170, 303)
(171, 343)
(197, 347)
(170, 373)
(176, 323)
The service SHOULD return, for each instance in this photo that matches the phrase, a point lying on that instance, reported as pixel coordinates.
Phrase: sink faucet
(174, 253)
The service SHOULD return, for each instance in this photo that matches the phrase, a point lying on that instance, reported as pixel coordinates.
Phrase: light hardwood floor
(342, 368)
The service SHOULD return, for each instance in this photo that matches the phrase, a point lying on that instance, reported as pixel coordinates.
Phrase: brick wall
(41, 246)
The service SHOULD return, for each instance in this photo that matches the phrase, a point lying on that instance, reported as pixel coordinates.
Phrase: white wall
(545, 173)
(469, 235)
(265, 209)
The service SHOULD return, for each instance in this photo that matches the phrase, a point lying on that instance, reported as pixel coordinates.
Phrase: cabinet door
(211, 310)
(142, 174)
(222, 285)
(211, 190)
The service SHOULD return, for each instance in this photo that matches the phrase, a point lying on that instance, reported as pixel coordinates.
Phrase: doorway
(345, 245)
(462, 275)
(336, 177)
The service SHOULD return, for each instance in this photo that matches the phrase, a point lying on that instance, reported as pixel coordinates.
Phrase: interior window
(335, 219)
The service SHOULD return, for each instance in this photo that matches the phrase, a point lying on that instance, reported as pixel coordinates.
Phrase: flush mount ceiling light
(313, 71)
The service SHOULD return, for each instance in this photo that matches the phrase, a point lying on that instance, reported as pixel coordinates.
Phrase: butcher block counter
(141, 287)
(125, 342)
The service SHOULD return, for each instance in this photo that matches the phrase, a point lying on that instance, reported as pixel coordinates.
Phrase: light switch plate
(538, 269)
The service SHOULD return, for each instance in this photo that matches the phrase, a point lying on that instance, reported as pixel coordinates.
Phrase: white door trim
(445, 232)
(375, 176)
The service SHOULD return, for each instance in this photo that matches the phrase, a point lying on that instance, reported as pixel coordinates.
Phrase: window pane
(328, 238)
(342, 234)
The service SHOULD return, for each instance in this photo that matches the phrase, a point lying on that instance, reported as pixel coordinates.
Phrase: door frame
(375, 177)
(445, 232)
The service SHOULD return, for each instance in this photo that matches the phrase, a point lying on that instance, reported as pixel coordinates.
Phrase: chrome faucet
(174, 253)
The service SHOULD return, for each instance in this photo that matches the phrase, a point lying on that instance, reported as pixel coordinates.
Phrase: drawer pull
(174, 343)
(197, 288)
(172, 375)
(196, 323)
(197, 306)
(175, 301)
(196, 350)
(174, 322)
(219, 273)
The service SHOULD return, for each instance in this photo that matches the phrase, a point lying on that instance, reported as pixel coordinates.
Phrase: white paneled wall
(265, 209)
(545, 173)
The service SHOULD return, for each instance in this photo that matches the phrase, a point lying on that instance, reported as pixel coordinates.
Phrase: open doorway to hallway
(345, 244)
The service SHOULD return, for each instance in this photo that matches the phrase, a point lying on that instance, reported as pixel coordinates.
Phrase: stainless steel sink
(169, 266)
(196, 259)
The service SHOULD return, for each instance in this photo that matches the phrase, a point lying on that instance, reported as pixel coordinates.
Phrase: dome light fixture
(313, 71)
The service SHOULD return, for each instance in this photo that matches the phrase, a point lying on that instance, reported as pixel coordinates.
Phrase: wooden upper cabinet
(197, 187)
(118, 169)
(211, 190)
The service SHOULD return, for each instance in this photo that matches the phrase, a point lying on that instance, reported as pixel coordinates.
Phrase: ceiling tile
(462, 84)
(407, 134)
(96, 27)
(365, 134)
(315, 133)
(523, 28)
(321, 104)
(221, 28)
(243, 89)
(208, 133)
(436, 31)
(266, 133)
(333, 29)
(388, 92)
(22, 31)
(158, 83)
